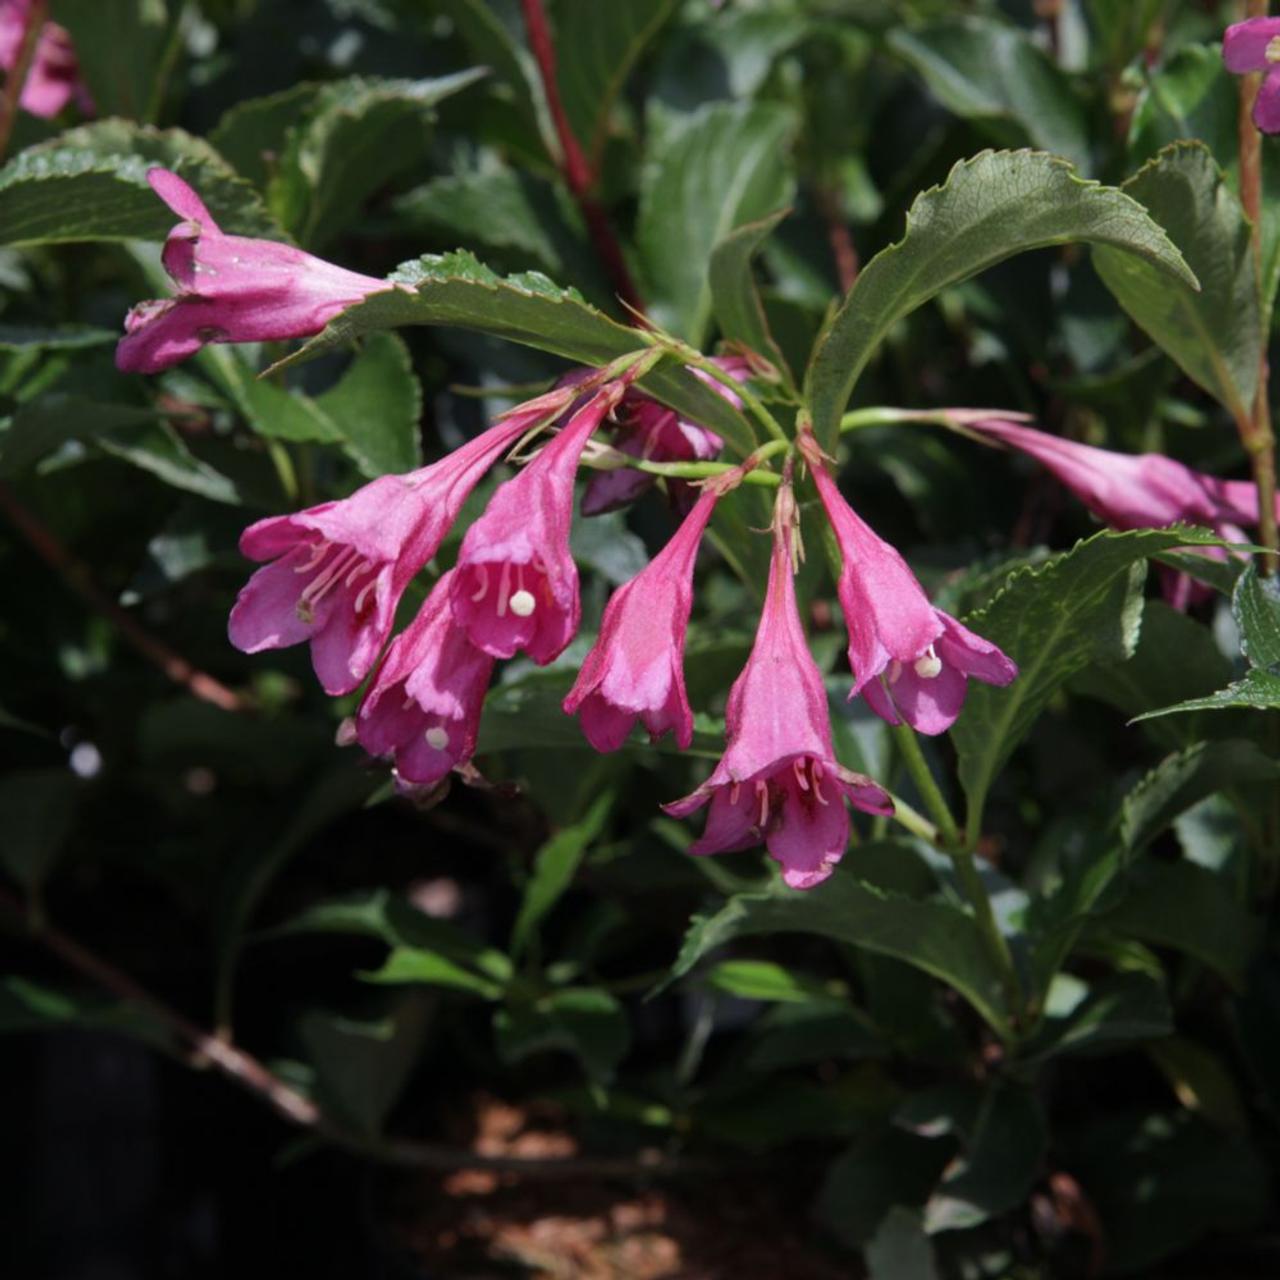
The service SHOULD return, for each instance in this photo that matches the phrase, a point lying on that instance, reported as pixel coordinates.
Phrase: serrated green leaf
(725, 165)
(1258, 691)
(596, 47)
(990, 72)
(251, 135)
(1182, 780)
(1255, 604)
(1082, 606)
(1191, 909)
(931, 935)
(1214, 333)
(735, 299)
(456, 289)
(991, 207)
(91, 184)
(553, 870)
(358, 134)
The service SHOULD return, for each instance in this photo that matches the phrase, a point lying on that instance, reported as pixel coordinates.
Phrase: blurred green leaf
(357, 134)
(37, 810)
(251, 135)
(900, 1249)
(991, 207)
(1202, 1081)
(1118, 1010)
(35, 1006)
(90, 183)
(554, 867)
(1214, 332)
(803, 1029)
(583, 1021)
(735, 299)
(121, 48)
(1083, 606)
(992, 73)
(458, 290)
(723, 166)
(416, 965)
(1259, 691)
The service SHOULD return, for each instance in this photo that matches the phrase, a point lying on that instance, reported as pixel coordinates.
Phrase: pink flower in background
(517, 584)
(232, 289)
(910, 661)
(778, 780)
(1254, 45)
(53, 77)
(338, 570)
(636, 668)
(1139, 491)
(424, 705)
(649, 430)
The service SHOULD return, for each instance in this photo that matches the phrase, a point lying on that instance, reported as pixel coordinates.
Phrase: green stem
(915, 822)
(696, 360)
(964, 862)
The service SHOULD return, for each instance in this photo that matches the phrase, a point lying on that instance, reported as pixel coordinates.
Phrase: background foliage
(848, 1066)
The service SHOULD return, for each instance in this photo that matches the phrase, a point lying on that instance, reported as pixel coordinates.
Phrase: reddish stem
(77, 576)
(574, 164)
(843, 250)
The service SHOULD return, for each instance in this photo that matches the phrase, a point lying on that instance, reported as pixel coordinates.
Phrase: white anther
(371, 585)
(928, 664)
(894, 674)
(762, 791)
(437, 738)
(483, 574)
(322, 549)
(523, 604)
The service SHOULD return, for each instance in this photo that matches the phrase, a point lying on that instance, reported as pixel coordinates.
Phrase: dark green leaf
(802, 1029)
(991, 72)
(1215, 332)
(934, 936)
(734, 297)
(553, 871)
(37, 809)
(713, 171)
(1256, 606)
(251, 135)
(900, 1249)
(1259, 691)
(418, 966)
(458, 290)
(583, 1021)
(1182, 780)
(1116, 1011)
(120, 49)
(32, 1006)
(1082, 606)
(991, 207)
(15, 337)
(91, 184)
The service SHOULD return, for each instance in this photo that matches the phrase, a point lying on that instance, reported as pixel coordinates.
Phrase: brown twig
(243, 1069)
(1255, 428)
(17, 77)
(77, 576)
(574, 164)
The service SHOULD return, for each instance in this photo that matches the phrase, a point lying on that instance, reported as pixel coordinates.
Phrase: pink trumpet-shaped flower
(1254, 45)
(338, 570)
(232, 289)
(636, 668)
(517, 585)
(778, 780)
(424, 705)
(910, 661)
(53, 77)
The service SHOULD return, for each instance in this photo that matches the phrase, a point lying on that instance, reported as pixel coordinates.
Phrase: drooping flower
(910, 661)
(517, 583)
(1254, 45)
(635, 671)
(423, 707)
(778, 780)
(232, 289)
(53, 78)
(338, 570)
(1139, 491)
(652, 432)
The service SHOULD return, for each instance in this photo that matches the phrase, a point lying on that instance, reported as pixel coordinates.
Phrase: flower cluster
(334, 575)
(53, 78)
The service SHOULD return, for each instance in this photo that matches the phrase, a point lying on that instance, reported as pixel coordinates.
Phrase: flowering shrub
(830, 438)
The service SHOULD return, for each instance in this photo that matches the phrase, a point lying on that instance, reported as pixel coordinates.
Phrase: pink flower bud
(231, 289)
(53, 78)
(778, 780)
(1254, 45)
